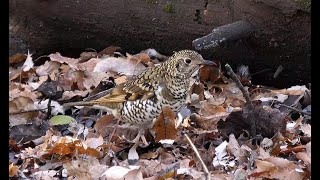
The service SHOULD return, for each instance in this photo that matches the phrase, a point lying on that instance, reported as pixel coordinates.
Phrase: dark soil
(283, 36)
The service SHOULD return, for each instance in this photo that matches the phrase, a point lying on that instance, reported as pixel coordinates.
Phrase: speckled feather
(141, 100)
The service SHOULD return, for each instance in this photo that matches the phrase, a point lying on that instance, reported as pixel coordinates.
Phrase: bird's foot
(141, 136)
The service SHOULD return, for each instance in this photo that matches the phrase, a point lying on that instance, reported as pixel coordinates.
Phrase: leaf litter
(52, 142)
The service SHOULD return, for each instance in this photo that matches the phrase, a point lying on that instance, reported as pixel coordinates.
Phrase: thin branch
(295, 109)
(238, 83)
(40, 57)
(206, 171)
(259, 72)
(91, 49)
(251, 118)
(49, 108)
(33, 110)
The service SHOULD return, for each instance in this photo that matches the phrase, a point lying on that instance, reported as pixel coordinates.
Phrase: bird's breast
(145, 110)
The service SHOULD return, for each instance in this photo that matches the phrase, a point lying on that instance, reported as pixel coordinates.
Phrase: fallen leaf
(233, 147)
(47, 68)
(90, 168)
(164, 127)
(56, 108)
(61, 120)
(89, 65)
(93, 79)
(70, 94)
(18, 108)
(22, 90)
(25, 132)
(306, 129)
(209, 73)
(17, 58)
(109, 51)
(46, 174)
(222, 158)
(72, 80)
(101, 124)
(85, 56)
(70, 61)
(277, 168)
(93, 142)
(294, 90)
(140, 57)
(149, 155)
(13, 170)
(119, 65)
(118, 172)
(28, 64)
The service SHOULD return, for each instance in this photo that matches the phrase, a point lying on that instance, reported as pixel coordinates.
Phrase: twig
(49, 108)
(206, 171)
(33, 110)
(259, 72)
(253, 126)
(295, 109)
(88, 49)
(40, 57)
(238, 83)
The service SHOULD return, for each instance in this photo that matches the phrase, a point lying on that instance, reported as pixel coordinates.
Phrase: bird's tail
(80, 103)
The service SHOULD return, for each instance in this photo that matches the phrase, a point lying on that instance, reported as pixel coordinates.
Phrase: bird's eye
(188, 61)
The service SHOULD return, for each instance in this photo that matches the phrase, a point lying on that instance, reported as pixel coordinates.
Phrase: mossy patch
(169, 8)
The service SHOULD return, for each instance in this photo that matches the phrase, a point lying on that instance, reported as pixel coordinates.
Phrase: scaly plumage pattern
(141, 100)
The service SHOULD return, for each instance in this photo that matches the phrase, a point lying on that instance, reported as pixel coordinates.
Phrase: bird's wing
(142, 87)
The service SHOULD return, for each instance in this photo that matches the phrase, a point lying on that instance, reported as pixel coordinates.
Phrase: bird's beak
(206, 62)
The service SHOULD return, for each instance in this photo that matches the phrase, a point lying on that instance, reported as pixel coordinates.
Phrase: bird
(140, 100)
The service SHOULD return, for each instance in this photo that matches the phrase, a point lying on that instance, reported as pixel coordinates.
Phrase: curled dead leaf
(17, 58)
(21, 110)
(165, 125)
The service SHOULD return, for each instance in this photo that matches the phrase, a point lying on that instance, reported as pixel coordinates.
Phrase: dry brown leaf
(119, 65)
(21, 104)
(28, 64)
(304, 157)
(47, 174)
(23, 76)
(17, 58)
(294, 149)
(233, 147)
(121, 79)
(65, 149)
(47, 68)
(165, 125)
(209, 73)
(70, 94)
(101, 124)
(109, 51)
(306, 129)
(73, 80)
(294, 90)
(13, 170)
(93, 79)
(149, 155)
(211, 114)
(85, 56)
(119, 172)
(17, 90)
(90, 168)
(89, 65)
(140, 57)
(93, 142)
(13, 71)
(277, 168)
(70, 61)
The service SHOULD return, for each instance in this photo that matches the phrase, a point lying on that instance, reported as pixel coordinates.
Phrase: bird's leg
(140, 135)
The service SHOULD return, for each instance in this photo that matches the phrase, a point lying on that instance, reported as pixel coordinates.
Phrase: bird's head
(186, 62)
